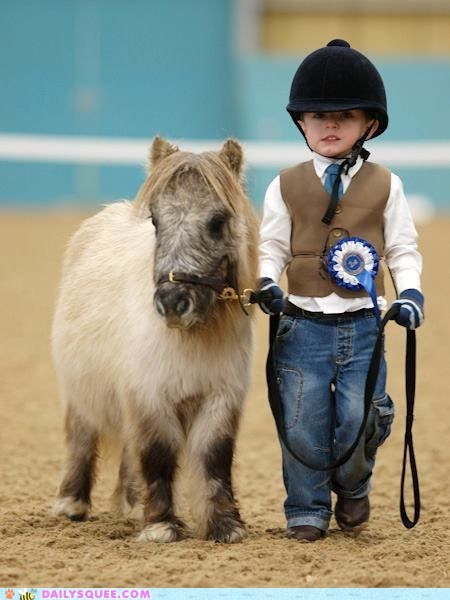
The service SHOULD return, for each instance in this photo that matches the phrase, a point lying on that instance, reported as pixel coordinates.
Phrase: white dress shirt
(400, 242)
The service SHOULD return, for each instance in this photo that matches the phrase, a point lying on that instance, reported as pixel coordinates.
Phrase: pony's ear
(160, 149)
(231, 153)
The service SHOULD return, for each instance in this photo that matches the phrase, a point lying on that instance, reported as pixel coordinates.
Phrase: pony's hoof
(162, 533)
(75, 510)
(228, 535)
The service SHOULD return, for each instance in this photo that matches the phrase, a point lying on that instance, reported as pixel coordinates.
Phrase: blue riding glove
(410, 314)
(269, 296)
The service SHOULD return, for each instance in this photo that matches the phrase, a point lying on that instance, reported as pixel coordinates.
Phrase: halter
(224, 290)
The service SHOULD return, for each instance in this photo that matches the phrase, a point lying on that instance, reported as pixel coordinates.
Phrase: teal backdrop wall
(110, 68)
(138, 68)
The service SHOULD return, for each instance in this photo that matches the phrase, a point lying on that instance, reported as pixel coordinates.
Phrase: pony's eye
(216, 225)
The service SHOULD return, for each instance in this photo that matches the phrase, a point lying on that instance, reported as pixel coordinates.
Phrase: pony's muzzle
(175, 305)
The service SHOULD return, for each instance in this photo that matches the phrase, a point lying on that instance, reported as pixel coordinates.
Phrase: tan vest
(359, 213)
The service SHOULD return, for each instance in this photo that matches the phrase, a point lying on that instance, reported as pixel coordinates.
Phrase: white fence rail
(133, 151)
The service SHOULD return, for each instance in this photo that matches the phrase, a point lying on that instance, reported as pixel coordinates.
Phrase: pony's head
(204, 226)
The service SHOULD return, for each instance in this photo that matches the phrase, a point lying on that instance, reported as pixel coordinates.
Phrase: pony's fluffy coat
(124, 374)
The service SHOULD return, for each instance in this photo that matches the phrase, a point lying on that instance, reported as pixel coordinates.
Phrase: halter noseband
(224, 290)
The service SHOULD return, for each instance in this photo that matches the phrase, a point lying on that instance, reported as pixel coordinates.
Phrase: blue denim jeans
(321, 371)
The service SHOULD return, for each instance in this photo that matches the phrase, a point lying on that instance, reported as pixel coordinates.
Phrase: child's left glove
(410, 314)
(269, 296)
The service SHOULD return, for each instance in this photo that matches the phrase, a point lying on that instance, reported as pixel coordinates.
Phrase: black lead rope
(408, 448)
(410, 371)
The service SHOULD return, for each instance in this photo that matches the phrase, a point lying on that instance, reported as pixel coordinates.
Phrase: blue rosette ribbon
(353, 263)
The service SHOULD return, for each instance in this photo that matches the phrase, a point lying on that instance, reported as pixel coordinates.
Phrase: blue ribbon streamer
(368, 282)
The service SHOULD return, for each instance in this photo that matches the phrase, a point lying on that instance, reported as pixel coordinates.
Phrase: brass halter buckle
(246, 295)
(229, 293)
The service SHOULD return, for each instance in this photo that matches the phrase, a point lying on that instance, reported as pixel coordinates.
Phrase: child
(327, 332)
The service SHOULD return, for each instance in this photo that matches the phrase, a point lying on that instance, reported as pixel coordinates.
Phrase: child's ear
(373, 128)
(302, 124)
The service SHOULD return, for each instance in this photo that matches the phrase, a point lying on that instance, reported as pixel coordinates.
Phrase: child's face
(333, 134)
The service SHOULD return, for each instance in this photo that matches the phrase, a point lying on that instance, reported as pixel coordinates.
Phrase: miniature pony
(152, 345)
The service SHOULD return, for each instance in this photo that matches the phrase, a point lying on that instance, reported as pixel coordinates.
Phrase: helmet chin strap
(357, 150)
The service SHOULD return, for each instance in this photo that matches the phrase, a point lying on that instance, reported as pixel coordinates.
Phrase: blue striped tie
(332, 172)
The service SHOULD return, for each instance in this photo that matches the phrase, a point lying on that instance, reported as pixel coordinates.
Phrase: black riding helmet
(338, 77)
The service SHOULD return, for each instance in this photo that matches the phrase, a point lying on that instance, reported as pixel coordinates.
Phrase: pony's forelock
(209, 166)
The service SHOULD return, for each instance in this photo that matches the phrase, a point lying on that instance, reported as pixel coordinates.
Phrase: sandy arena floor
(37, 550)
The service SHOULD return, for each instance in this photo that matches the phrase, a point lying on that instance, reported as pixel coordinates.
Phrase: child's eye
(318, 116)
(348, 114)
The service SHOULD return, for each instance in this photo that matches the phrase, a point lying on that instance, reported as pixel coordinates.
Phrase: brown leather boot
(352, 514)
(305, 533)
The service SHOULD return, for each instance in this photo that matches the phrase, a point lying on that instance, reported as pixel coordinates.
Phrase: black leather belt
(295, 311)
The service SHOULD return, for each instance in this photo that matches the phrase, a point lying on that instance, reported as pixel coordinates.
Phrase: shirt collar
(322, 162)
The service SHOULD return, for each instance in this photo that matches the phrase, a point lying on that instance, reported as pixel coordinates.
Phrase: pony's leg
(126, 496)
(210, 453)
(74, 495)
(158, 445)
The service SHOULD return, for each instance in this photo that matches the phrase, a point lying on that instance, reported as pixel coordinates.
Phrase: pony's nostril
(183, 306)
(160, 308)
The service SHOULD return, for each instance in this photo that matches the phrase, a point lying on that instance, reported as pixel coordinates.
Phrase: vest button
(338, 210)
(337, 233)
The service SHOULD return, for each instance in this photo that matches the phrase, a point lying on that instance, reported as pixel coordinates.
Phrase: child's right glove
(410, 314)
(269, 296)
